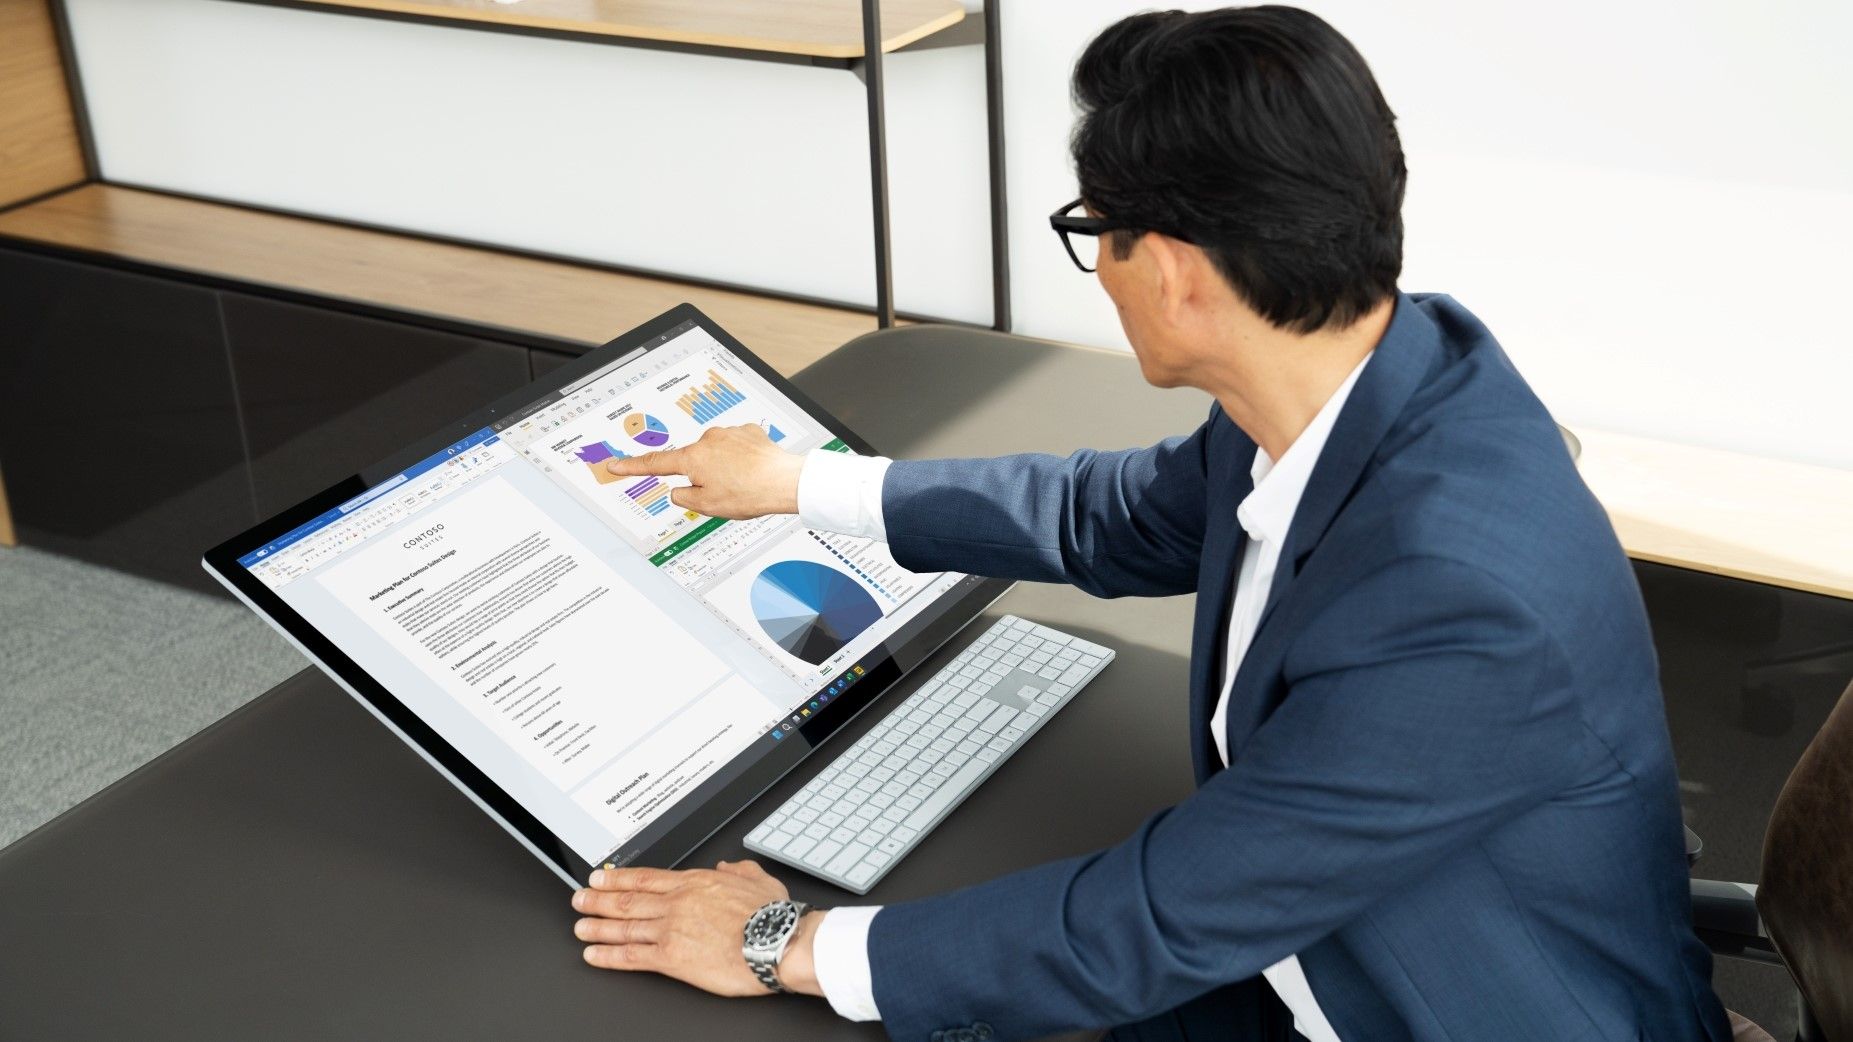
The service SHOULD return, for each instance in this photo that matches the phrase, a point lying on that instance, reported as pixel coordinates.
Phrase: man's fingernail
(598, 878)
(579, 900)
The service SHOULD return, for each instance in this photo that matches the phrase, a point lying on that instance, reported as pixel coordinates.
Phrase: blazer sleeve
(1405, 735)
(1112, 523)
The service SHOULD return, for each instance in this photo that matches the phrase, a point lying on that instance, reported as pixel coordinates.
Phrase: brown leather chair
(1801, 916)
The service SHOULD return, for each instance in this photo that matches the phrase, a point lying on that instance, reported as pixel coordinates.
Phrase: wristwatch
(767, 934)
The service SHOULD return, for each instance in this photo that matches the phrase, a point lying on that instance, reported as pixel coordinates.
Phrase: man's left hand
(688, 925)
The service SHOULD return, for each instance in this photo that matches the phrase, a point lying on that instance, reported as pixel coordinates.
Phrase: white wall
(1648, 201)
(740, 171)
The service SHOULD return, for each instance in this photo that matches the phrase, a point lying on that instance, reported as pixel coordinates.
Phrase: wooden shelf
(477, 287)
(807, 28)
(39, 150)
(1788, 524)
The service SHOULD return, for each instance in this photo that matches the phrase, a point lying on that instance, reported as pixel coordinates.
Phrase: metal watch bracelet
(766, 937)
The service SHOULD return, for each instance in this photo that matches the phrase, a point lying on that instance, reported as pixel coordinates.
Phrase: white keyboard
(877, 801)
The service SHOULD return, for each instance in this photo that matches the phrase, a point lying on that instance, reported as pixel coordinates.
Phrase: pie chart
(646, 430)
(811, 610)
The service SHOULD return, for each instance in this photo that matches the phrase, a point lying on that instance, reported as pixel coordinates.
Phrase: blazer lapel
(1223, 541)
(1404, 359)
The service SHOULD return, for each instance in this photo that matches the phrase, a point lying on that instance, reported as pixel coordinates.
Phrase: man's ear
(1176, 273)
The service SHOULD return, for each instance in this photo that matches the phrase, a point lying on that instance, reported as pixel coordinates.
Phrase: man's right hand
(733, 472)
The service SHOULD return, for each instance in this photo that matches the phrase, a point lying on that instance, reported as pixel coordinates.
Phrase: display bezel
(885, 666)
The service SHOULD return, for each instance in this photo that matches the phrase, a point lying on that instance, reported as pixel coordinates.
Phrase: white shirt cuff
(840, 957)
(841, 492)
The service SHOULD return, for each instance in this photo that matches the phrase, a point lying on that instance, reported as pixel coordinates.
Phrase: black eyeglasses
(1068, 224)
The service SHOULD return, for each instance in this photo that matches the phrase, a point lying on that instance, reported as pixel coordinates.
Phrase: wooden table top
(1729, 513)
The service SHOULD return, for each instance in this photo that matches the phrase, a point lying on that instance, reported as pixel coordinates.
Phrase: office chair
(1801, 916)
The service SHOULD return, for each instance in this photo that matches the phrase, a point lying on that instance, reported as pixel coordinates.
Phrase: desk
(1727, 513)
(293, 871)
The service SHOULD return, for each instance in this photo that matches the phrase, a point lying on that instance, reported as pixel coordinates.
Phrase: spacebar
(947, 794)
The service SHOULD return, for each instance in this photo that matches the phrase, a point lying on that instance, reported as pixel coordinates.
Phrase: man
(1436, 798)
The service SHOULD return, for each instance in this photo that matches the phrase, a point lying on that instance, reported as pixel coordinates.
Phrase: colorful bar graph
(711, 399)
(650, 495)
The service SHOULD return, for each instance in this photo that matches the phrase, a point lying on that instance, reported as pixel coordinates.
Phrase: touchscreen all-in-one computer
(607, 674)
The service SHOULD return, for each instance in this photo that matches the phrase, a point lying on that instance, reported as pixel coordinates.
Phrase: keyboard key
(861, 874)
(1010, 734)
(799, 847)
(816, 831)
(844, 835)
(1049, 673)
(776, 841)
(880, 858)
(939, 801)
(821, 854)
(849, 857)
(996, 721)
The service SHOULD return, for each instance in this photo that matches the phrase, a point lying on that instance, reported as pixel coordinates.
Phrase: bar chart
(650, 496)
(711, 399)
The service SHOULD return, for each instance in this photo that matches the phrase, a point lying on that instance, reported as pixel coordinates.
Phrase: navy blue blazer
(1451, 789)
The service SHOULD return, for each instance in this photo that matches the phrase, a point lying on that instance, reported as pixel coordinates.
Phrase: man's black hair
(1259, 134)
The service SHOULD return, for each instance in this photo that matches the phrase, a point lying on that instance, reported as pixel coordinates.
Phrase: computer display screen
(605, 657)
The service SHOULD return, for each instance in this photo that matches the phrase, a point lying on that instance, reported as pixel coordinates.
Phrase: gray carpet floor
(100, 672)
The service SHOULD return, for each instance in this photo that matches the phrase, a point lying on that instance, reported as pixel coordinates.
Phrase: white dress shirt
(842, 493)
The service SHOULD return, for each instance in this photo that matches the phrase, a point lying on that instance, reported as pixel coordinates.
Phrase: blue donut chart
(811, 610)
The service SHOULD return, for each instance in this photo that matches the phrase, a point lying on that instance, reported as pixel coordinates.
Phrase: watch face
(769, 924)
